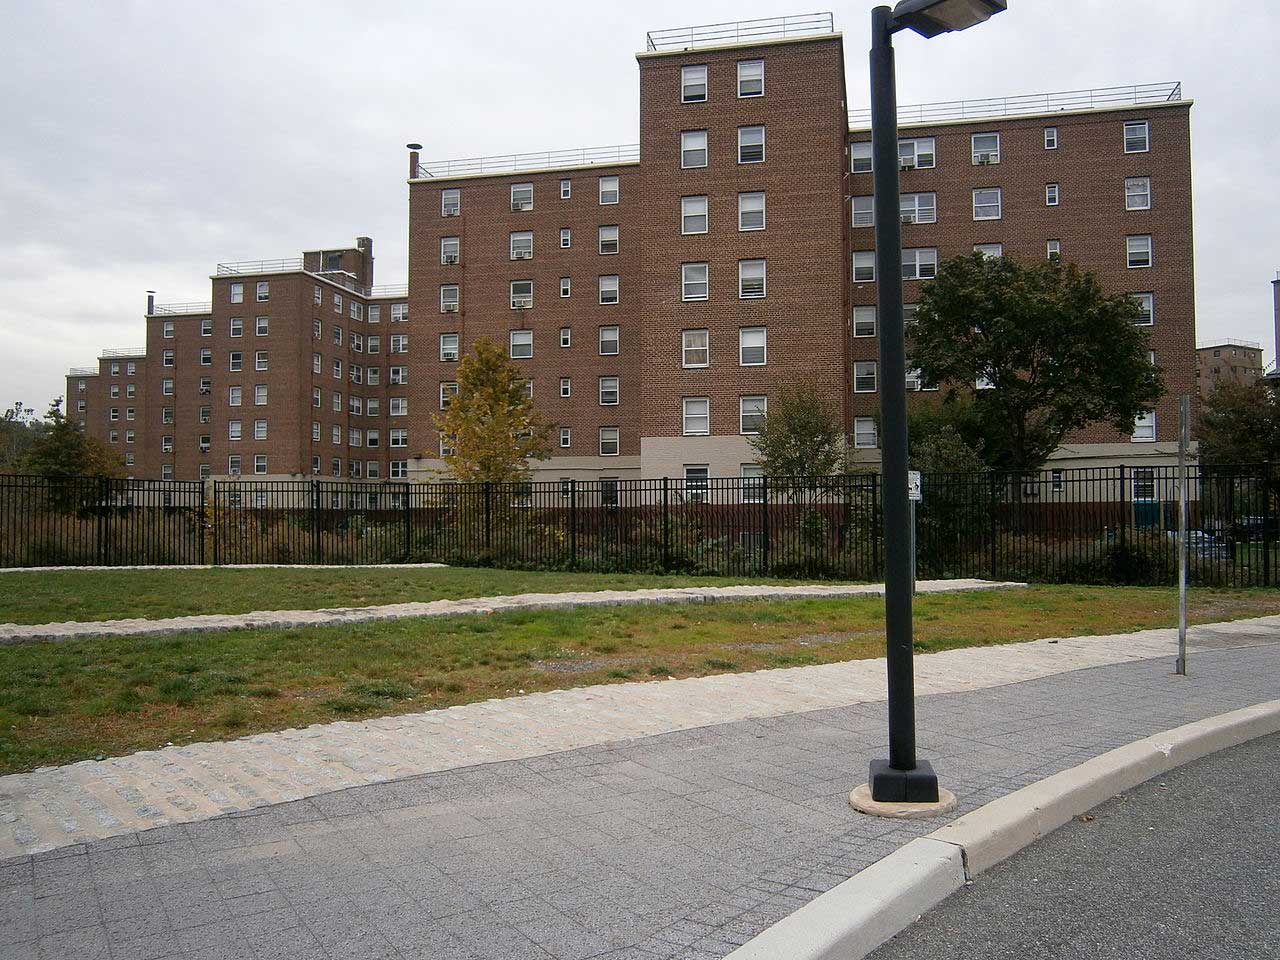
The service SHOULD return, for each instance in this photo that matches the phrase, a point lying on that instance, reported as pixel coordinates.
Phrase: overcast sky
(146, 141)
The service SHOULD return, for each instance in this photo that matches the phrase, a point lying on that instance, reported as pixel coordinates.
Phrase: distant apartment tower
(1232, 361)
(659, 296)
(291, 370)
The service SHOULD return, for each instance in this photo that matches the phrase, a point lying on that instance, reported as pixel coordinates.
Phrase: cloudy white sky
(146, 140)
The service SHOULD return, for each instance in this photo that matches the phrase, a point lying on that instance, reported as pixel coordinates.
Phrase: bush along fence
(1103, 525)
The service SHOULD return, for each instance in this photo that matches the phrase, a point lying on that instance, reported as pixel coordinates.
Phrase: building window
(398, 375)
(1051, 194)
(697, 416)
(259, 429)
(259, 463)
(448, 347)
(449, 298)
(864, 433)
(1144, 429)
(399, 312)
(1138, 250)
(864, 211)
(236, 327)
(450, 251)
(752, 346)
(919, 153)
(693, 149)
(608, 190)
(860, 157)
(693, 84)
(450, 202)
(206, 414)
(864, 376)
(864, 266)
(1137, 136)
(259, 394)
(1146, 308)
(987, 203)
(233, 465)
(522, 196)
(864, 321)
(337, 402)
(566, 437)
(522, 245)
(608, 441)
(399, 437)
(234, 431)
(1053, 249)
(608, 341)
(750, 78)
(694, 281)
(989, 250)
(166, 329)
(752, 483)
(695, 348)
(315, 431)
(260, 360)
(337, 369)
(608, 239)
(751, 144)
(693, 215)
(260, 325)
(608, 391)
(986, 148)
(566, 387)
(521, 294)
(566, 238)
(609, 289)
(235, 361)
(920, 264)
(521, 344)
(566, 336)
(1051, 138)
(166, 386)
(337, 303)
(373, 345)
(751, 279)
(166, 360)
(751, 211)
(696, 476)
(263, 291)
(1137, 193)
(399, 343)
(448, 390)
(399, 469)
(237, 293)
(566, 189)
(206, 327)
(398, 407)
(751, 414)
(919, 207)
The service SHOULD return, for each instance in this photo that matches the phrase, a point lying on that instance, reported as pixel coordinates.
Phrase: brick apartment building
(659, 295)
(1236, 361)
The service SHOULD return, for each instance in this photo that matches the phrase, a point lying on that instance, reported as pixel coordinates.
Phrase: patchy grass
(67, 701)
(57, 595)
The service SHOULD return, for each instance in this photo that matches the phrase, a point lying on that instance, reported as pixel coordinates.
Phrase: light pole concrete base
(861, 801)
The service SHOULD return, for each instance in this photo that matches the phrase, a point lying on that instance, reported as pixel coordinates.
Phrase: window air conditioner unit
(521, 205)
(450, 258)
(450, 308)
(451, 212)
(524, 255)
(984, 159)
(905, 163)
(908, 218)
(205, 391)
(204, 448)
(522, 303)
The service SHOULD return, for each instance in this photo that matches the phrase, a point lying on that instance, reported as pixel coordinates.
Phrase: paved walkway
(56, 806)
(683, 845)
(19, 633)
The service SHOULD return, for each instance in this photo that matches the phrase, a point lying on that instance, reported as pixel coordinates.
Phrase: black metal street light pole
(903, 777)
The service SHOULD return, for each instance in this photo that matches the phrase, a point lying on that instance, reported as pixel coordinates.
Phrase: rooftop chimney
(151, 302)
(413, 159)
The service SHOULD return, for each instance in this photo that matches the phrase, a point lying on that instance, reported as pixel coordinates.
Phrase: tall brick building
(659, 295)
(1235, 361)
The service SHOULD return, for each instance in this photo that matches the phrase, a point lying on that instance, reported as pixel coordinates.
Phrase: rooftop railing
(950, 110)
(516, 162)
(1228, 342)
(180, 309)
(260, 266)
(112, 354)
(741, 31)
(83, 372)
(292, 264)
(389, 290)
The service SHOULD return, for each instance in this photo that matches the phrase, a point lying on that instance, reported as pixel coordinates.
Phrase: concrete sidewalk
(682, 845)
(335, 616)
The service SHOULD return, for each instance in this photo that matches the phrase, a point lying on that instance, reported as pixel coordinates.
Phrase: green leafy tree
(18, 430)
(946, 438)
(1239, 425)
(491, 425)
(61, 449)
(802, 434)
(1059, 353)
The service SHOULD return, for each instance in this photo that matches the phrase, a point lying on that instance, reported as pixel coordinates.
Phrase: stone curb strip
(11, 633)
(236, 566)
(849, 921)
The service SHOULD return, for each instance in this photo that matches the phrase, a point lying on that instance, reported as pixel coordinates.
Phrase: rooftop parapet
(738, 32)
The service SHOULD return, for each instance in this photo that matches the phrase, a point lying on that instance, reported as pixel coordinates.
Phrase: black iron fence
(1105, 525)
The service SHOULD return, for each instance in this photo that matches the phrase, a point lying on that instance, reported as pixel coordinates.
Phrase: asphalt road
(1186, 865)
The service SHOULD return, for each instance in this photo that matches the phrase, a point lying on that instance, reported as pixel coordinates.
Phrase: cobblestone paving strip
(56, 806)
(11, 633)
(673, 847)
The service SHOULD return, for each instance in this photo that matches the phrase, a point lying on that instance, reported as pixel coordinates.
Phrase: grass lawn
(57, 595)
(67, 701)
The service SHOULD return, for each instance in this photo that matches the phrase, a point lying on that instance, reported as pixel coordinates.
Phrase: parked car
(1204, 545)
(1255, 528)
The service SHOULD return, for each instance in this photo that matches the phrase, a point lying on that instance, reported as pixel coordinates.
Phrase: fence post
(201, 516)
(408, 525)
(1266, 524)
(1124, 506)
(995, 528)
(216, 549)
(488, 517)
(317, 548)
(764, 521)
(876, 525)
(104, 492)
(573, 524)
(666, 524)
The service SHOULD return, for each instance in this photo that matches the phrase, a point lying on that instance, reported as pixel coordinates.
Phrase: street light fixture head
(932, 17)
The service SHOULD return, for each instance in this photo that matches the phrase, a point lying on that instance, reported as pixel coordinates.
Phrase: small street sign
(914, 490)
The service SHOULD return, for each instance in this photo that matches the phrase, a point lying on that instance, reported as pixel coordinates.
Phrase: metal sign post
(915, 494)
(1184, 438)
